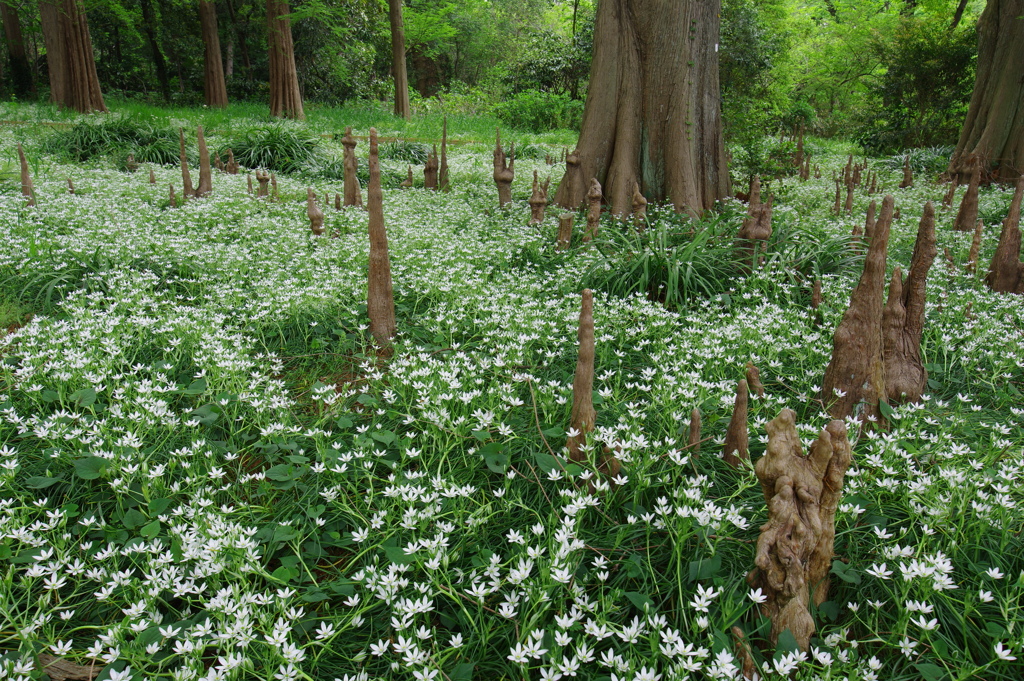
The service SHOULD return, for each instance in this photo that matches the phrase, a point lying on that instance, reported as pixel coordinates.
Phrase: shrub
(538, 111)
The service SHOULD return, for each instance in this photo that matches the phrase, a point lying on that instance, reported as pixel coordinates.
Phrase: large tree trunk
(56, 59)
(398, 69)
(159, 63)
(82, 91)
(652, 114)
(213, 71)
(994, 129)
(21, 74)
(285, 98)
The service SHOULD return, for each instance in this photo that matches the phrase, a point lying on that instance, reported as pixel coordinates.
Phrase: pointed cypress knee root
(71, 187)
(737, 441)
(186, 177)
(173, 199)
(443, 183)
(27, 190)
(430, 169)
(693, 441)
(152, 176)
(232, 166)
(855, 372)
(353, 193)
(972, 257)
(538, 200)
(583, 414)
(1006, 271)
(639, 207)
(754, 379)
(263, 177)
(572, 190)
(794, 549)
(380, 301)
(908, 175)
(316, 215)
(205, 187)
(504, 170)
(903, 318)
(967, 216)
(565, 221)
(408, 181)
(947, 200)
(594, 195)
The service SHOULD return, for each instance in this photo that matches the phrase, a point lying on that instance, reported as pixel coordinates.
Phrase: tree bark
(21, 74)
(82, 92)
(285, 98)
(159, 63)
(56, 59)
(398, 68)
(652, 114)
(994, 128)
(214, 85)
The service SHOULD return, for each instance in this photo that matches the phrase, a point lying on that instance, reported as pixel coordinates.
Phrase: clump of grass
(673, 261)
(405, 150)
(929, 160)
(116, 137)
(276, 147)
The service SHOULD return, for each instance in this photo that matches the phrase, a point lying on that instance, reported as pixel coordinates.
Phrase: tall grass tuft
(276, 147)
(116, 137)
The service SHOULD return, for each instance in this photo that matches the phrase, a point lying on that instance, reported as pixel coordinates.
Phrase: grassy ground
(206, 471)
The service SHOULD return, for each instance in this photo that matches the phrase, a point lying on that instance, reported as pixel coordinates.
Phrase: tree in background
(651, 119)
(994, 129)
(285, 98)
(214, 86)
(72, 66)
(159, 63)
(398, 70)
(21, 74)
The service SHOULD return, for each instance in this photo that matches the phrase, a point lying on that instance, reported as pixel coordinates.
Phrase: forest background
(886, 74)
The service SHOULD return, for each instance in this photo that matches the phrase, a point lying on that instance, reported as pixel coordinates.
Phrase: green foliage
(926, 87)
(755, 153)
(276, 146)
(674, 261)
(117, 137)
(538, 111)
(405, 150)
(927, 160)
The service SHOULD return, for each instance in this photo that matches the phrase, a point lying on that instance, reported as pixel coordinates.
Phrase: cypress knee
(380, 302)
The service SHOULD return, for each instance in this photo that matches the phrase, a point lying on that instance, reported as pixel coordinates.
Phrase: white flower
(1003, 653)
(994, 573)
(879, 571)
(756, 596)
(455, 641)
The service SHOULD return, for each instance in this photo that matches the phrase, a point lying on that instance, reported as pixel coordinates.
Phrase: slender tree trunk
(83, 84)
(994, 129)
(398, 68)
(159, 63)
(214, 84)
(56, 59)
(240, 36)
(958, 14)
(285, 99)
(21, 73)
(652, 114)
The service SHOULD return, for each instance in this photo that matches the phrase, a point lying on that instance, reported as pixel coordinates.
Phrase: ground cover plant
(208, 471)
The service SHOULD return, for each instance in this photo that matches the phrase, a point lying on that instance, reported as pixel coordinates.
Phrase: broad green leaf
(150, 530)
(38, 482)
(705, 569)
(197, 387)
(930, 672)
(83, 397)
(91, 467)
(641, 601)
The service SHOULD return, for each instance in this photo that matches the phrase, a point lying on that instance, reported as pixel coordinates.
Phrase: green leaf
(83, 397)
(207, 414)
(314, 596)
(705, 569)
(482, 435)
(282, 574)
(886, 410)
(547, 463)
(641, 601)
(197, 387)
(343, 422)
(115, 666)
(396, 555)
(930, 672)
(463, 672)
(37, 482)
(91, 467)
(829, 610)
(383, 436)
(284, 472)
(553, 432)
(151, 530)
(133, 519)
(845, 572)
(787, 644)
(49, 396)
(158, 506)
(495, 457)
